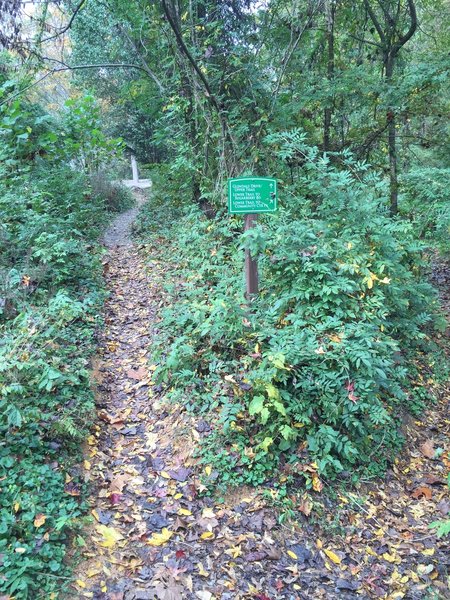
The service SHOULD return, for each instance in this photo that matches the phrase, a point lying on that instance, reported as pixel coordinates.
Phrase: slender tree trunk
(328, 112)
(392, 141)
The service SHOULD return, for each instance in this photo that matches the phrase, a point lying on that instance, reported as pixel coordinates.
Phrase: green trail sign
(252, 195)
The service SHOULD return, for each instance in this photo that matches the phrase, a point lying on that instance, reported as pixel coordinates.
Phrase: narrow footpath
(155, 535)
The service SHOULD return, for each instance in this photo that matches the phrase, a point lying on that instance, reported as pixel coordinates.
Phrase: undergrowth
(313, 375)
(51, 215)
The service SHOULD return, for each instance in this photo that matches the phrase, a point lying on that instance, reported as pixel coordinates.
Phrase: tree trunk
(392, 141)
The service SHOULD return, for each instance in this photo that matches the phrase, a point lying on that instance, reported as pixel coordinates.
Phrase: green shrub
(426, 202)
(50, 295)
(315, 370)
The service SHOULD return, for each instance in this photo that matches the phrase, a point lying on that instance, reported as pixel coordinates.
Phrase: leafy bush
(50, 294)
(315, 370)
(426, 201)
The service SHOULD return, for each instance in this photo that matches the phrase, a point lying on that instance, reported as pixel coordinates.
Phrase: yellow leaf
(349, 246)
(208, 513)
(95, 515)
(317, 485)
(91, 440)
(158, 539)
(110, 536)
(208, 470)
(39, 520)
(292, 554)
(332, 556)
(235, 551)
(165, 475)
(184, 511)
(16, 506)
(201, 570)
(389, 557)
(87, 465)
(207, 535)
(319, 544)
(178, 496)
(80, 583)
(93, 572)
(428, 552)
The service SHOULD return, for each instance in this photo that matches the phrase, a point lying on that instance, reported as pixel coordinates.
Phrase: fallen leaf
(207, 535)
(317, 485)
(95, 515)
(185, 512)
(39, 520)
(234, 552)
(390, 557)
(118, 483)
(110, 536)
(422, 492)
(158, 539)
(137, 374)
(202, 571)
(427, 448)
(292, 554)
(332, 556)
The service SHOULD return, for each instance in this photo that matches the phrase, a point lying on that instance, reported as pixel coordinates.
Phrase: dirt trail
(155, 536)
(118, 233)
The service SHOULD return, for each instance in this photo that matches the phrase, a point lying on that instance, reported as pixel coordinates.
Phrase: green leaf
(256, 405)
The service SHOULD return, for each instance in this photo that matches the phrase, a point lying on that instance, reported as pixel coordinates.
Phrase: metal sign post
(250, 196)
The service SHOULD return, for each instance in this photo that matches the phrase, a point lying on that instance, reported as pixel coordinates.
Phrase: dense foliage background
(346, 104)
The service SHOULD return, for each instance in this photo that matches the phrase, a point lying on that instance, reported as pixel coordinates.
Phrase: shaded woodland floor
(156, 535)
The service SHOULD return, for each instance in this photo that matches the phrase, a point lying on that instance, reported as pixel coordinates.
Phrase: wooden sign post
(250, 196)
(251, 264)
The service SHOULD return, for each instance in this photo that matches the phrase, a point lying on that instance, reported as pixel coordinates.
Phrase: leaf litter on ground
(156, 535)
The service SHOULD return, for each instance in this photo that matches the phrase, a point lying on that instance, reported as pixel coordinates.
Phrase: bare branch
(141, 58)
(69, 24)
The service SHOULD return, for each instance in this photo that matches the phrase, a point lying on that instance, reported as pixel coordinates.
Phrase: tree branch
(179, 38)
(143, 61)
(413, 14)
(69, 24)
(374, 19)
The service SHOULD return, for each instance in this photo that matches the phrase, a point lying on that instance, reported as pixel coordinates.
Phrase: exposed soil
(155, 535)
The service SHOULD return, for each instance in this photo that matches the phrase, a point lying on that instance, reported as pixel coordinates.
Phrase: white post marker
(134, 169)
